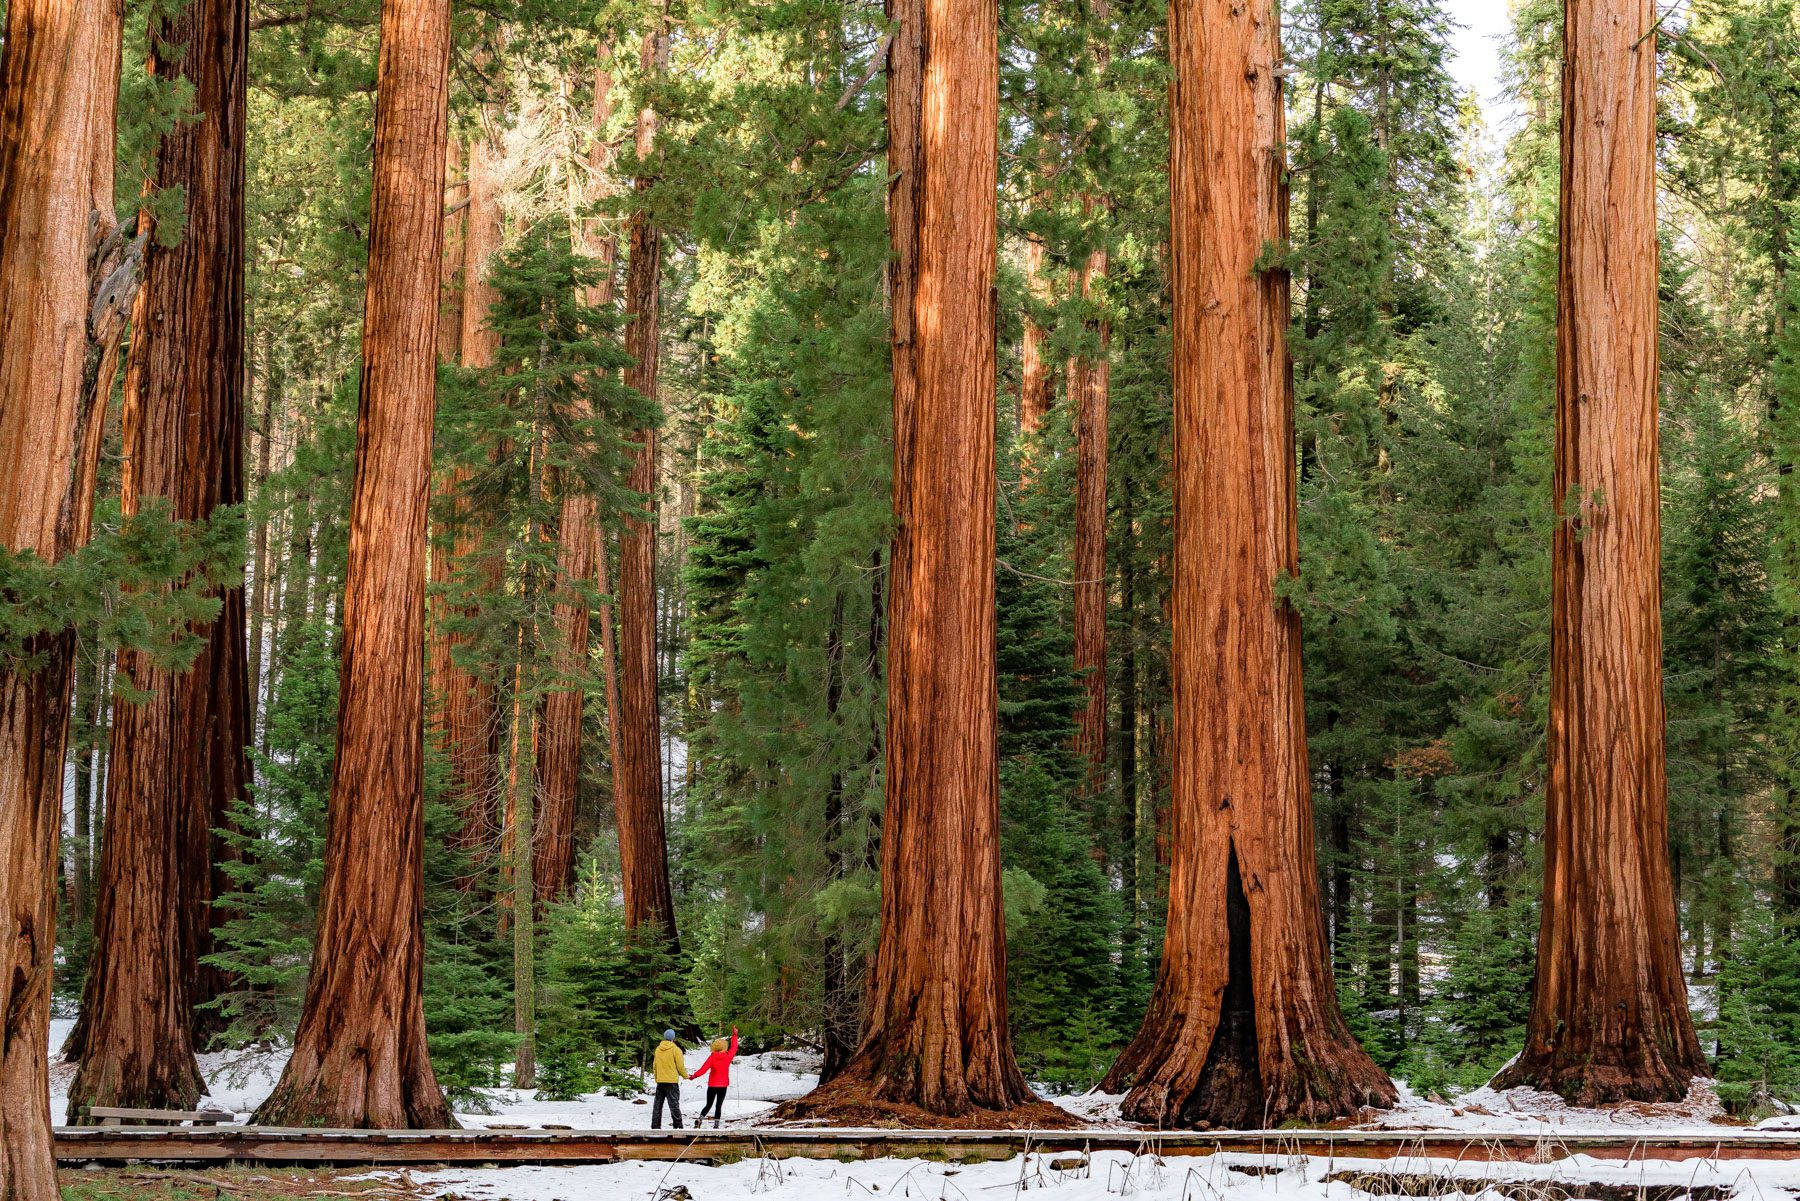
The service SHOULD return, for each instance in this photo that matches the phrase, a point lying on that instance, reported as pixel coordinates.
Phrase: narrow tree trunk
(59, 79)
(260, 606)
(559, 755)
(1243, 1028)
(1609, 1015)
(1090, 383)
(470, 714)
(609, 655)
(522, 789)
(838, 1019)
(87, 721)
(637, 769)
(1037, 386)
(936, 1036)
(359, 1056)
(1130, 807)
(444, 679)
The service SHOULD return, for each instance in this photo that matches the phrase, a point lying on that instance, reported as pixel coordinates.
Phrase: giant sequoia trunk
(559, 750)
(1243, 1027)
(359, 1055)
(1609, 1016)
(59, 80)
(637, 767)
(936, 1037)
(178, 765)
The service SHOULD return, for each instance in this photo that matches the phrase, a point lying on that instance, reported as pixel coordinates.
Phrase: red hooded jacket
(719, 1064)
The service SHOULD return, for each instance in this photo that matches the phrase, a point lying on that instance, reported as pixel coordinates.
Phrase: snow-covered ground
(239, 1081)
(1107, 1175)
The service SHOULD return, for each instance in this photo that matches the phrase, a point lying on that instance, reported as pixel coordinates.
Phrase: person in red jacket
(719, 1065)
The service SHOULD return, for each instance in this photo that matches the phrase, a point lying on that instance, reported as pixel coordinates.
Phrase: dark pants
(670, 1093)
(715, 1105)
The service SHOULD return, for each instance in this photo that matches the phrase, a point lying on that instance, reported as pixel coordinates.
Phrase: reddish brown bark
(59, 78)
(469, 715)
(559, 751)
(178, 764)
(936, 1037)
(1609, 1016)
(441, 673)
(450, 294)
(1090, 383)
(637, 765)
(1243, 1027)
(609, 651)
(360, 1058)
(1037, 386)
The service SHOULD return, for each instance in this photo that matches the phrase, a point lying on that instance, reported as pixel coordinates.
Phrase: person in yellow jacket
(670, 1066)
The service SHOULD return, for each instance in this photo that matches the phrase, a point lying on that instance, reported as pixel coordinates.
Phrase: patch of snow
(240, 1080)
(1100, 1177)
(1515, 1109)
(758, 1084)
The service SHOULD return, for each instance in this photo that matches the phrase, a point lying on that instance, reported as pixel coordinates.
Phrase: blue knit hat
(669, 1034)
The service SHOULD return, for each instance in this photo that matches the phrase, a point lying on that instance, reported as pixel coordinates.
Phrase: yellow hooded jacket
(670, 1065)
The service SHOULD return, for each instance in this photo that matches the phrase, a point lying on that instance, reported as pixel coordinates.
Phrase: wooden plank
(274, 1146)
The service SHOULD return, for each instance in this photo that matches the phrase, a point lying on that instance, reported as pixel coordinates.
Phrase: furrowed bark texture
(1243, 1027)
(469, 709)
(1609, 1017)
(178, 763)
(1090, 382)
(936, 1035)
(359, 1057)
(59, 78)
(637, 767)
(559, 750)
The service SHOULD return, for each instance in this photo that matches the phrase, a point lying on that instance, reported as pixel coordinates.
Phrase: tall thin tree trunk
(1037, 386)
(838, 1019)
(637, 769)
(559, 755)
(1243, 1028)
(59, 81)
(936, 1035)
(260, 606)
(1609, 1014)
(1130, 807)
(609, 674)
(521, 805)
(360, 1058)
(86, 720)
(470, 715)
(178, 757)
(1090, 381)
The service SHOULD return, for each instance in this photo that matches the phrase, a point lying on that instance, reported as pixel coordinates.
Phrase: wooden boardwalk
(282, 1146)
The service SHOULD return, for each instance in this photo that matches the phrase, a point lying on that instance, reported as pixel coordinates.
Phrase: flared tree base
(1176, 1077)
(1587, 1078)
(842, 1102)
(336, 1099)
(111, 1081)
